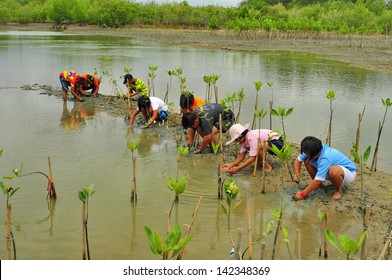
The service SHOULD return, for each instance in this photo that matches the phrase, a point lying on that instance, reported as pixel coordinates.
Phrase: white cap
(235, 131)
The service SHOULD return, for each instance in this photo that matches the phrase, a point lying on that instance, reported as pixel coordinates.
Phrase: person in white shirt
(153, 109)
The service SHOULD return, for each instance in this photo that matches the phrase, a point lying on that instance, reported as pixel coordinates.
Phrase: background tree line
(342, 16)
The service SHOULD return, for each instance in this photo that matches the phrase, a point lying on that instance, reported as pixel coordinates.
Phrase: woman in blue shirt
(323, 163)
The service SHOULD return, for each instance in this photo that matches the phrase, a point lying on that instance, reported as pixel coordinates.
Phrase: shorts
(163, 115)
(64, 84)
(279, 143)
(227, 121)
(349, 176)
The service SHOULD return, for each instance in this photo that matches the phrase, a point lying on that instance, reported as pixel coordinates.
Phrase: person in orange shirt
(91, 82)
(69, 78)
(189, 103)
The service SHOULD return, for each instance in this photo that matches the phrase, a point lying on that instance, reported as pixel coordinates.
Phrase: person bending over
(152, 108)
(323, 163)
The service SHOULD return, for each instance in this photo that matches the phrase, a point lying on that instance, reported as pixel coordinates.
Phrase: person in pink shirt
(249, 140)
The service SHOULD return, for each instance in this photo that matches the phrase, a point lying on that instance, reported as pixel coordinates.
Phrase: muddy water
(86, 145)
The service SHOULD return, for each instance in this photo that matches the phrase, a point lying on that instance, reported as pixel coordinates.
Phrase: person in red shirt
(91, 82)
(69, 78)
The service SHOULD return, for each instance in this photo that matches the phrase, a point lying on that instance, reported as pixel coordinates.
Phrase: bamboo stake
(51, 188)
(387, 245)
(179, 257)
(257, 157)
(325, 237)
(298, 243)
(9, 238)
(366, 225)
(133, 189)
(220, 184)
(262, 250)
(237, 253)
(248, 213)
(358, 133)
(84, 210)
(263, 169)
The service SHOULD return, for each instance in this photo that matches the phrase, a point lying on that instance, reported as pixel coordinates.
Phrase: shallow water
(88, 146)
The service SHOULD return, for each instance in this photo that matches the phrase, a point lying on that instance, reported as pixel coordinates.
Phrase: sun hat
(127, 77)
(235, 131)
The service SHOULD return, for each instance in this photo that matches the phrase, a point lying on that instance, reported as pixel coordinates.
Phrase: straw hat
(235, 131)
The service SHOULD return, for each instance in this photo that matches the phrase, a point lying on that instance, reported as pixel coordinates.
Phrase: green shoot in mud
(322, 238)
(283, 156)
(271, 102)
(282, 114)
(347, 247)
(330, 96)
(361, 159)
(151, 77)
(284, 232)
(387, 104)
(84, 195)
(258, 86)
(231, 191)
(169, 247)
(133, 146)
(240, 98)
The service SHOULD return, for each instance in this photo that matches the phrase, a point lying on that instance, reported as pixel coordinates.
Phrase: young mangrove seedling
(282, 113)
(231, 191)
(178, 186)
(133, 146)
(330, 96)
(257, 87)
(240, 98)
(151, 76)
(361, 159)
(171, 246)
(387, 104)
(84, 196)
(271, 103)
(348, 247)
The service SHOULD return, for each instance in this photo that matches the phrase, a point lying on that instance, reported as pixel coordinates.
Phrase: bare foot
(336, 195)
(268, 168)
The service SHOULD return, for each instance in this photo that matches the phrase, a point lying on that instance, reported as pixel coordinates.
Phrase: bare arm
(153, 118)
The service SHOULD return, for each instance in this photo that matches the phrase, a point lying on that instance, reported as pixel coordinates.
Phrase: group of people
(321, 161)
(79, 83)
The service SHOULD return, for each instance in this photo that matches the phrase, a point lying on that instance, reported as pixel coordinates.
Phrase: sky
(224, 3)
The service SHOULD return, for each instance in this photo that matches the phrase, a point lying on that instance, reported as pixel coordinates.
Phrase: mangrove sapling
(132, 146)
(330, 96)
(116, 89)
(84, 196)
(168, 87)
(215, 148)
(322, 237)
(169, 247)
(240, 97)
(50, 187)
(271, 102)
(9, 191)
(284, 233)
(260, 115)
(348, 247)
(387, 104)
(151, 77)
(178, 186)
(361, 159)
(257, 87)
(283, 156)
(181, 80)
(231, 191)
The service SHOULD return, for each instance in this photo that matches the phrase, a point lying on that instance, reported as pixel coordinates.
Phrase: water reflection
(75, 119)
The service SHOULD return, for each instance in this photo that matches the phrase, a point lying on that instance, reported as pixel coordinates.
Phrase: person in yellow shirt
(136, 87)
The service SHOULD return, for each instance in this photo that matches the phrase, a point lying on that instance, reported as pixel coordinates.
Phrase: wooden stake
(84, 211)
(248, 215)
(237, 252)
(179, 257)
(9, 234)
(257, 158)
(298, 243)
(358, 133)
(262, 250)
(366, 225)
(133, 188)
(325, 237)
